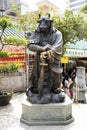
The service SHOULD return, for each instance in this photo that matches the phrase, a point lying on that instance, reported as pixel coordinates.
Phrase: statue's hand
(45, 48)
(47, 54)
(43, 55)
(50, 54)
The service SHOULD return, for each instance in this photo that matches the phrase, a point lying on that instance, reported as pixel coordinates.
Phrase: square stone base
(47, 114)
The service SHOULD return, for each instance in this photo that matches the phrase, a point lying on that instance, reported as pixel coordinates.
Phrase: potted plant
(5, 97)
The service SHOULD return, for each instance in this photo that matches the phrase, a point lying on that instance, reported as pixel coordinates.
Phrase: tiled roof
(13, 31)
(79, 45)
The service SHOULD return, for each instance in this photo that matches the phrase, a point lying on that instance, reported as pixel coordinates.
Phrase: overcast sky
(30, 4)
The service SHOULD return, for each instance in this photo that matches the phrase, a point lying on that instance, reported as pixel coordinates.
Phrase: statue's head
(45, 23)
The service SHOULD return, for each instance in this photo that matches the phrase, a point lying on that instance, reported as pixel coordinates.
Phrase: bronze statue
(45, 79)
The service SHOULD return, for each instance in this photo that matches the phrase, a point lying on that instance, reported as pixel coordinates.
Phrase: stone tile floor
(10, 117)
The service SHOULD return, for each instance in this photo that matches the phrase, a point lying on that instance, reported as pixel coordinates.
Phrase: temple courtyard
(10, 116)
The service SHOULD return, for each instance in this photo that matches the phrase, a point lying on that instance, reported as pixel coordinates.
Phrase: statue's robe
(36, 43)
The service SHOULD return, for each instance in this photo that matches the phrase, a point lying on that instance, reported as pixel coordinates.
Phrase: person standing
(66, 85)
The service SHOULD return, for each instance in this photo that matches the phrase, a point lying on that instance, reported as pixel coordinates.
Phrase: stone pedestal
(81, 84)
(47, 114)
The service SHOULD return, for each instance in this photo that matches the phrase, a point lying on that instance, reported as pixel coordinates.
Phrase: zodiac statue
(45, 80)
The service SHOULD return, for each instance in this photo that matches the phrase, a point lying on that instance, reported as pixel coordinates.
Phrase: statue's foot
(46, 98)
(56, 91)
(35, 99)
(62, 96)
(57, 98)
(32, 90)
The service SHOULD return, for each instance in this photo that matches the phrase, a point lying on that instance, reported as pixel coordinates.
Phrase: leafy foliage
(84, 9)
(10, 68)
(4, 22)
(4, 54)
(15, 7)
(83, 12)
(71, 26)
(15, 40)
(28, 21)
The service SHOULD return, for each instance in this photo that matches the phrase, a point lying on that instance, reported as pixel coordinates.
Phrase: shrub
(14, 40)
(4, 54)
(10, 68)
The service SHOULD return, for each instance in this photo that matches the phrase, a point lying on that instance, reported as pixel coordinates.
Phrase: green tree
(72, 27)
(83, 12)
(15, 8)
(4, 23)
(84, 9)
(28, 21)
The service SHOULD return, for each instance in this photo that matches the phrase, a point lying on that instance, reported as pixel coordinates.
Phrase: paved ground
(10, 117)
